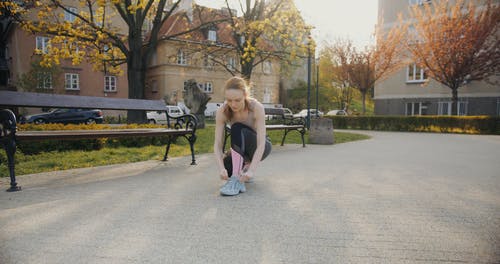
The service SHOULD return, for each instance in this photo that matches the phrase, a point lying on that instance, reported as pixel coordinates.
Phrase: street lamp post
(308, 120)
(317, 87)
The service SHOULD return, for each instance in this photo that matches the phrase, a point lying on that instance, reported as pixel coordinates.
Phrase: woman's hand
(245, 176)
(223, 174)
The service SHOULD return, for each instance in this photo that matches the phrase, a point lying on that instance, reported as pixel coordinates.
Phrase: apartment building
(191, 56)
(407, 92)
(23, 53)
(78, 79)
(173, 63)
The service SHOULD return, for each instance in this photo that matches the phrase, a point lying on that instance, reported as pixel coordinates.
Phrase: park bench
(181, 126)
(279, 121)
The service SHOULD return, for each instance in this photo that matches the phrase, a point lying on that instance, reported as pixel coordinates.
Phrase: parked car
(65, 115)
(159, 117)
(336, 112)
(303, 113)
(212, 109)
(287, 112)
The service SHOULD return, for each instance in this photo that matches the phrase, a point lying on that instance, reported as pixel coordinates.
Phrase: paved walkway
(396, 198)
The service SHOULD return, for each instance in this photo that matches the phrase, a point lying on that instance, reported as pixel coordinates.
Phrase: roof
(201, 17)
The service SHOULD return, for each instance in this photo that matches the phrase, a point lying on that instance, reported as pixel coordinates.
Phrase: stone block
(321, 131)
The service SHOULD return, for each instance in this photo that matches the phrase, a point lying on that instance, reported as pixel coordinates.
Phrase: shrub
(35, 147)
(445, 124)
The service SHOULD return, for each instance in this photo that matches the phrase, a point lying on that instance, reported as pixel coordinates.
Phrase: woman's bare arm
(260, 126)
(220, 126)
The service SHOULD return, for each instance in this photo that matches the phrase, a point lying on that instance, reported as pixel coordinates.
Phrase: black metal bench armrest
(186, 121)
(294, 121)
(8, 124)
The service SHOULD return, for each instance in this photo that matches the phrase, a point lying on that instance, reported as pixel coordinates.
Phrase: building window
(44, 80)
(462, 108)
(147, 26)
(74, 47)
(181, 58)
(267, 67)
(154, 86)
(71, 46)
(72, 81)
(444, 107)
(69, 15)
(110, 83)
(42, 44)
(416, 108)
(252, 91)
(207, 88)
(212, 35)
(231, 63)
(105, 49)
(415, 74)
(208, 61)
(267, 95)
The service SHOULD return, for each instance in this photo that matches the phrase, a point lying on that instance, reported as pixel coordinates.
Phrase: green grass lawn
(52, 161)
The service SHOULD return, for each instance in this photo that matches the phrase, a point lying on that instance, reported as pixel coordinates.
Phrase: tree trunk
(246, 70)
(4, 65)
(363, 98)
(6, 23)
(454, 101)
(136, 80)
(136, 83)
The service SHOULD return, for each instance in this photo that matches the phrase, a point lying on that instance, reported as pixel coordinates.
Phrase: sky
(331, 19)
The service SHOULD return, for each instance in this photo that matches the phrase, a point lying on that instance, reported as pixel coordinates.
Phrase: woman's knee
(241, 133)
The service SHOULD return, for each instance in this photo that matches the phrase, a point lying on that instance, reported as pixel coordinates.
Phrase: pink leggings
(243, 146)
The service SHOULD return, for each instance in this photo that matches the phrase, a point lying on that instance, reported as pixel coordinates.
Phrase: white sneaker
(232, 187)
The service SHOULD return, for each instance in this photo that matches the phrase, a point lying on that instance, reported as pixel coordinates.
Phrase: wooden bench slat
(277, 127)
(92, 134)
(27, 99)
(274, 111)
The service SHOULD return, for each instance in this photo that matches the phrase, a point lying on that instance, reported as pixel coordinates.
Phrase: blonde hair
(237, 83)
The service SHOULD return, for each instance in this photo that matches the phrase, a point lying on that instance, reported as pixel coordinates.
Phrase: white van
(159, 117)
(211, 109)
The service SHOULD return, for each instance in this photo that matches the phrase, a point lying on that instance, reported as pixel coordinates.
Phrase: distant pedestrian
(249, 144)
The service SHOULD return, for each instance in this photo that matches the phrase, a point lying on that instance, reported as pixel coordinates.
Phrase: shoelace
(232, 187)
(229, 187)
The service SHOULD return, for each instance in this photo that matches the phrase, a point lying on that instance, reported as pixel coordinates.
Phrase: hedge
(443, 124)
(35, 147)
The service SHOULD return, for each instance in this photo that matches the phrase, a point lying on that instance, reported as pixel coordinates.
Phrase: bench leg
(192, 140)
(165, 157)
(284, 136)
(10, 149)
(227, 133)
(302, 133)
